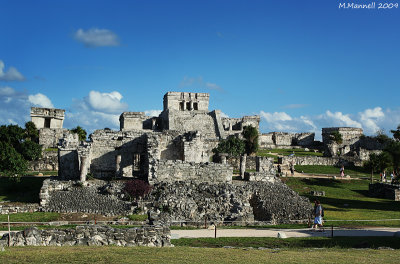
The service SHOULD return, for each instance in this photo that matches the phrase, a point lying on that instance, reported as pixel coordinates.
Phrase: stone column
(243, 165)
(191, 105)
(223, 157)
(83, 168)
(117, 165)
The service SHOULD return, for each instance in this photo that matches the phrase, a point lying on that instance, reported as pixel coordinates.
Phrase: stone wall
(13, 209)
(47, 117)
(183, 101)
(49, 137)
(234, 161)
(106, 145)
(48, 162)
(223, 202)
(385, 190)
(285, 140)
(349, 134)
(91, 235)
(167, 170)
(314, 160)
(71, 197)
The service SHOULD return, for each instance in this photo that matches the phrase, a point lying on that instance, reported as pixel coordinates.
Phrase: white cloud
(40, 100)
(152, 112)
(12, 74)
(15, 105)
(198, 82)
(106, 102)
(96, 37)
(340, 119)
(96, 111)
(275, 117)
(370, 118)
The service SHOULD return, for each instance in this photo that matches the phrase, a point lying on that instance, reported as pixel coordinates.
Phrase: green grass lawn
(287, 152)
(348, 200)
(108, 254)
(31, 217)
(353, 171)
(26, 190)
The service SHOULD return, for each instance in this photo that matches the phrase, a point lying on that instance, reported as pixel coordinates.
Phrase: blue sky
(300, 65)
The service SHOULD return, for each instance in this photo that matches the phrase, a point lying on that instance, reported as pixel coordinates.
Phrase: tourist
(279, 170)
(384, 176)
(391, 177)
(291, 169)
(318, 214)
(342, 171)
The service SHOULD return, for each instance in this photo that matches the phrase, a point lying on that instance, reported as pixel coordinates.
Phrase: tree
(336, 137)
(137, 188)
(250, 135)
(396, 133)
(378, 162)
(232, 145)
(12, 164)
(393, 149)
(81, 133)
(17, 148)
(31, 132)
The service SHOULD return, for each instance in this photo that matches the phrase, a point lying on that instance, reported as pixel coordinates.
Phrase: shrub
(137, 188)
(250, 135)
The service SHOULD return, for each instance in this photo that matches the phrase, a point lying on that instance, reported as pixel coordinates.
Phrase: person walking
(291, 169)
(318, 214)
(342, 171)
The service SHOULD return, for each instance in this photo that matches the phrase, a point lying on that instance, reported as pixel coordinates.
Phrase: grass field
(348, 200)
(81, 254)
(353, 171)
(287, 152)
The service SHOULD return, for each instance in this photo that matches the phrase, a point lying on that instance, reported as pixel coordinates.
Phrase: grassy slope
(348, 200)
(192, 255)
(319, 169)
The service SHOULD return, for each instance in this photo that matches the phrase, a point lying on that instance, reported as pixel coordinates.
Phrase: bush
(250, 135)
(232, 146)
(137, 188)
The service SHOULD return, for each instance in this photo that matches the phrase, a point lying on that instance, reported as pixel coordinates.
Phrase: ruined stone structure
(184, 134)
(91, 235)
(354, 143)
(286, 140)
(49, 121)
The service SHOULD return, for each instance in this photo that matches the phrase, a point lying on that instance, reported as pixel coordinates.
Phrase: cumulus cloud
(106, 102)
(96, 37)
(12, 74)
(339, 119)
(370, 119)
(152, 112)
(198, 82)
(40, 100)
(96, 111)
(15, 105)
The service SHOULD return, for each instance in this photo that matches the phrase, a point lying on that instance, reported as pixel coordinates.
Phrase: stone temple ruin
(172, 152)
(176, 145)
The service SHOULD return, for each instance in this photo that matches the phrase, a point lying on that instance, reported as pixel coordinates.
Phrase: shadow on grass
(309, 242)
(26, 190)
(384, 205)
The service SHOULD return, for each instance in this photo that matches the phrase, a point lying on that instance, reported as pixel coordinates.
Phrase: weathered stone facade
(284, 140)
(47, 117)
(181, 171)
(185, 132)
(48, 162)
(14, 209)
(91, 235)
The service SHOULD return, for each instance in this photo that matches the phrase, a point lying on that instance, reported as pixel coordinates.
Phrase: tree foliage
(232, 146)
(396, 133)
(336, 137)
(250, 135)
(81, 133)
(18, 146)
